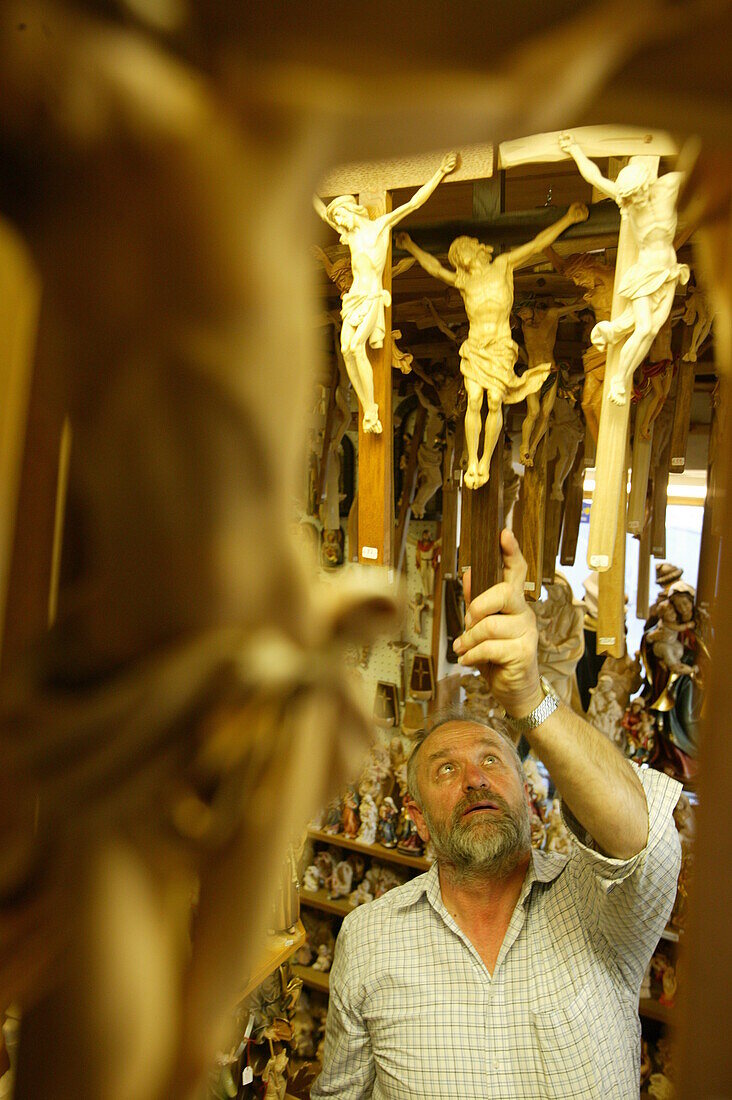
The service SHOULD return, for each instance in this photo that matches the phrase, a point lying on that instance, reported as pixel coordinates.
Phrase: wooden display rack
(378, 851)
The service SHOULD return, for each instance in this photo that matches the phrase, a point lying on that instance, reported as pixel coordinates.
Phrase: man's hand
(578, 212)
(500, 636)
(403, 240)
(449, 163)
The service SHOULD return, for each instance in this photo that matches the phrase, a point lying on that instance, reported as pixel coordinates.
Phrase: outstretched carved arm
(577, 213)
(439, 323)
(449, 163)
(321, 211)
(588, 169)
(429, 263)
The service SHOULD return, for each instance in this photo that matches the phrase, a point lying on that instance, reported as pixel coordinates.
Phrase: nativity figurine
(388, 821)
(341, 881)
(426, 559)
(648, 204)
(364, 304)
(488, 355)
(369, 820)
(349, 818)
(324, 959)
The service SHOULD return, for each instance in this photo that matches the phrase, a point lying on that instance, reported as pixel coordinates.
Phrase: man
(506, 972)
(488, 355)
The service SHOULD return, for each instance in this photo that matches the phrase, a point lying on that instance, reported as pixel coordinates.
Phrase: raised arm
(449, 164)
(577, 212)
(555, 260)
(403, 265)
(320, 210)
(571, 308)
(596, 782)
(429, 263)
(439, 323)
(588, 169)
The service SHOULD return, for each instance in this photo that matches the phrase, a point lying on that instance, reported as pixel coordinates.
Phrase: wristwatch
(539, 714)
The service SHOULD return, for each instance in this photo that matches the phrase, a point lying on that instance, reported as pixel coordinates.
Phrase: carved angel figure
(364, 304)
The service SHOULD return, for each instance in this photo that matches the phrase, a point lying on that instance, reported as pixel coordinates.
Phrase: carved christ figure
(488, 355)
(596, 279)
(648, 204)
(364, 303)
(539, 323)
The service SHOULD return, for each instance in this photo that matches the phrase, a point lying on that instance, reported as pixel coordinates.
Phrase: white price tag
(606, 641)
(247, 1076)
(529, 586)
(678, 461)
(369, 552)
(599, 561)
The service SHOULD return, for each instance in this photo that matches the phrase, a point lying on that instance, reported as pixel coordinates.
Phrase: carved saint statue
(700, 313)
(539, 323)
(649, 206)
(564, 439)
(364, 304)
(488, 355)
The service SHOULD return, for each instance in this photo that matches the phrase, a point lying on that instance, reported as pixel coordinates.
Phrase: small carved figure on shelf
(488, 355)
(661, 1088)
(332, 820)
(539, 324)
(331, 548)
(429, 453)
(362, 894)
(648, 204)
(364, 304)
(349, 817)
(324, 961)
(618, 679)
(417, 606)
(369, 814)
(640, 728)
(408, 838)
(311, 879)
(341, 881)
(388, 821)
(325, 864)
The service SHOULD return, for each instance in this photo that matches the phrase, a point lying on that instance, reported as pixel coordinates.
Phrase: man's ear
(418, 818)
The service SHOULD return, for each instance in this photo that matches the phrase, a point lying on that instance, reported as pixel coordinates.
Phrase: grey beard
(477, 848)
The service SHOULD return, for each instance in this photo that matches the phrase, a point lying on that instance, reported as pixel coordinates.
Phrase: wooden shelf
(316, 979)
(378, 851)
(279, 948)
(318, 899)
(654, 1010)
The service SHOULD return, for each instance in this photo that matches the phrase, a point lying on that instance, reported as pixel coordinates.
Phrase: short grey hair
(457, 713)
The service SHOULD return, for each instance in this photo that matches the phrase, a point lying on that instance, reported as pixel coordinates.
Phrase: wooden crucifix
(365, 225)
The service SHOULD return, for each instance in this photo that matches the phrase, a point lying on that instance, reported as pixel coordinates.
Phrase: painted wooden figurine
(388, 821)
(649, 206)
(488, 355)
(539, 323)
(364, 304)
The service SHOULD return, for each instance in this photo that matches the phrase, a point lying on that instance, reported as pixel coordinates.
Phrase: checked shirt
(414, 1013)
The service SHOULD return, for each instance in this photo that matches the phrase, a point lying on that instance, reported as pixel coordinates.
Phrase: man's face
(474, 804)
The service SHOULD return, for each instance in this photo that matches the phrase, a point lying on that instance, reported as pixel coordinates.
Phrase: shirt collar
(544, 867)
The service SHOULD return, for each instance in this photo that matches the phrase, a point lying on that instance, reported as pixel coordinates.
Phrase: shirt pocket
(565, 1044)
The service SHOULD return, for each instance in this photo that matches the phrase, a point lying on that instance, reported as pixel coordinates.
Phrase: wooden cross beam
(486, 523)
(532, 499)
(682, 409)
(573, 500)
(376, 451)
(409, 484)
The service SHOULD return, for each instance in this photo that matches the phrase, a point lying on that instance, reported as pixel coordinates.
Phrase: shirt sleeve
(627, 902)
(348, 1063)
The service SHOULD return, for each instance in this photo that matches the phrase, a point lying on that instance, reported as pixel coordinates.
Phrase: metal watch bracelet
(539, 714)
